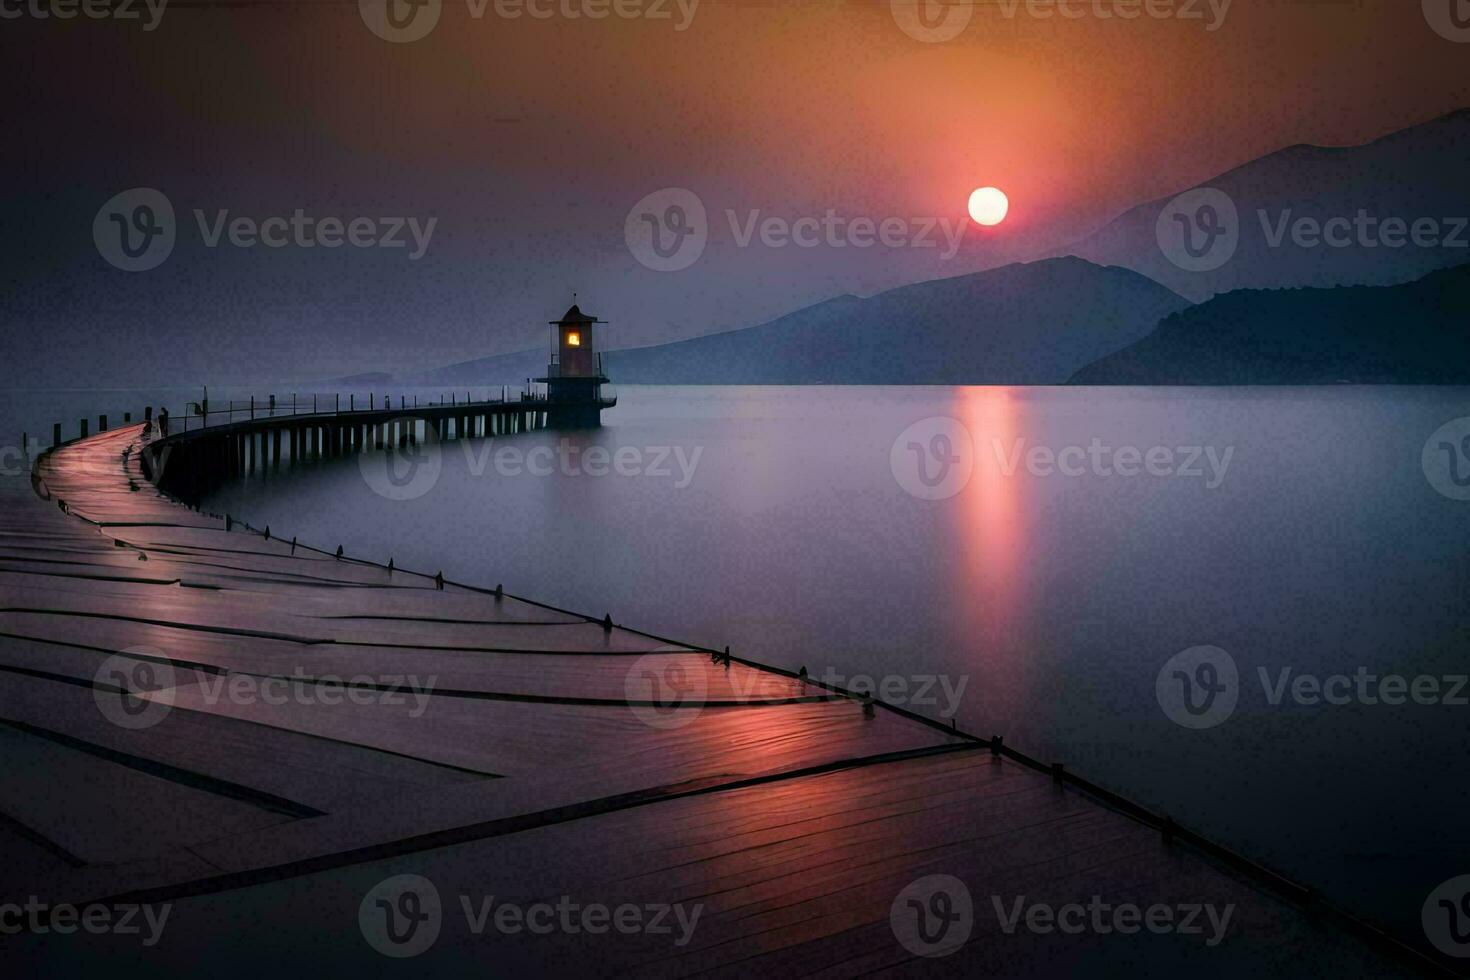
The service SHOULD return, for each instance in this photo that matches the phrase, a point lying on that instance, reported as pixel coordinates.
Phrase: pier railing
(344, 407)
(205, 413)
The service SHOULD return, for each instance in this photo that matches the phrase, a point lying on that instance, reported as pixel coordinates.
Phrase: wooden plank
(320, 774)
(108, 813)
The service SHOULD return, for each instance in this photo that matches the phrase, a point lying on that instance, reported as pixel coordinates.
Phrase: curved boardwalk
(497, 747)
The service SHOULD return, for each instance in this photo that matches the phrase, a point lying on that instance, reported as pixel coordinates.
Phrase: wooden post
(147, 413)
(55, 434)
(273, 404)
(84, 428)
(102, 423)
(127, 418)
(252, 408)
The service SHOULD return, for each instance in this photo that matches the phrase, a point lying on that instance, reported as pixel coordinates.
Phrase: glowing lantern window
(574, 339)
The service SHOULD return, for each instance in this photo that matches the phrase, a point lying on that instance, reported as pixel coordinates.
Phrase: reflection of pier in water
(554, 754)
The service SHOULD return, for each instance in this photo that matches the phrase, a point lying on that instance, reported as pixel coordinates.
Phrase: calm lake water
(1292, 529)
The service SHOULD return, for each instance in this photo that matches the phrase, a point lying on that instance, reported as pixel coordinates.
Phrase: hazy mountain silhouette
(1416, 333)
(1033, 323)
(1412, 174)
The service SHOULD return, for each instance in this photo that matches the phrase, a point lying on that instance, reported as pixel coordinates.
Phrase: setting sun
(988, 205)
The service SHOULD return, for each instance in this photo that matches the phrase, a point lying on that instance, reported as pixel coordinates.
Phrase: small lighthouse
(574, 380)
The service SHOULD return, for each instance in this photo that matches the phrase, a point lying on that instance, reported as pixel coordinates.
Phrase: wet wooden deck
(540, 764)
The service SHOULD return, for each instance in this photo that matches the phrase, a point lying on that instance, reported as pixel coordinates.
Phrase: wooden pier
(244, 440)
(555, 756)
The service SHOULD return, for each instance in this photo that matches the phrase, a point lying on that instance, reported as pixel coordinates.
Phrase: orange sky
(531, 139)
(810, 103)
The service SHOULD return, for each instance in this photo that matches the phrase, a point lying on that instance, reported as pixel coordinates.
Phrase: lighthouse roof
(575, 315)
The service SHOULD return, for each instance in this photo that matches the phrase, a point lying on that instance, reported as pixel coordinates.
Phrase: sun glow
(989, 205)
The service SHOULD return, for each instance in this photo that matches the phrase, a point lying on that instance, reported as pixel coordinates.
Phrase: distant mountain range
(1032, 323)
(1090, 314)
(1415, 174)
(1418, 333)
